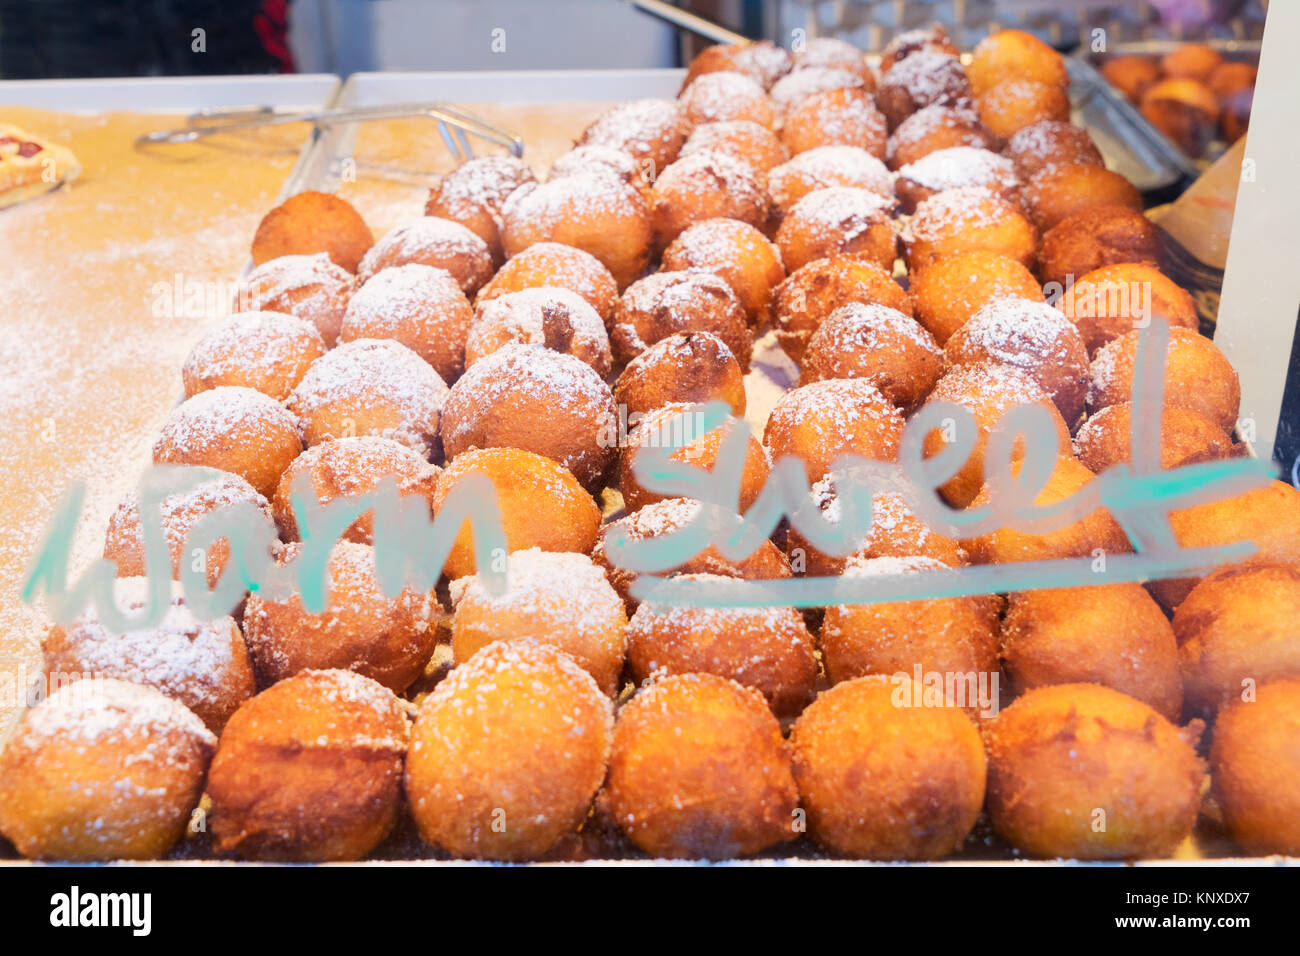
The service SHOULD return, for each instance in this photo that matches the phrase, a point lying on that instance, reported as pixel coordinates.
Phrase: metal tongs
(454, 126)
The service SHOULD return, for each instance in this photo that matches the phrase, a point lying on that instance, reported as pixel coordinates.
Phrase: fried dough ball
(1184, 110)
(312, 222)
(234, 429)
(558, 318)
(841, 117)
(768, 649)
(949, 291)
(955, 168)
(754, 145)
(686, 368)
(876, 344)
(737, 253)
(667, 303)
(309, 770)
(926, 78)
(1095, 237)
(420, 306)
(791, 90)
(947, 636)
(833, 53)
(1012, 105)
(728, 792)
(1083, 771)
(762, 61)
(1234, 116)
(598, 214)
(653, 131)
(1197, 376)
(678, 425)
(1194, 61)
(432, 241)
(508, 752)
(309, 287)
(1015, 54)
(370, 387)
(542, 504)
(895, 532)
(361, 629)
(473, 193)
(725, 95)
(1255, 768)
(839, 220)
(1186, 438)
(1236, 630)
(820, 421)
(887, 782)
(1032, 337)
(349, 467)
(1228, 78)
(557, 598)
(812, 292)
(1268, 516)
(1062, 191)
(705, 185)
(530, 397)
(102, 770)
(935, 128)
(1233, 84)
(989, 391)
(1050, 143)
(1114, 300)
(265, 351)
(555, 264)
(1131, 74)
(202, 664)
(602, 161)
(903, 45)
(178, 514)
(1110, 634)
(664, 517)
(1096, 533)
(965, 219)
(827, 166)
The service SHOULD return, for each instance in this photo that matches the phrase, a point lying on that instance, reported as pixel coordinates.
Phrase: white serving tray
(171, 94)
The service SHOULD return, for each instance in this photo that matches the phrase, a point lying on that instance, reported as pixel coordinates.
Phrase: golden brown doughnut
(1110, 634)
(507, 753)
(754, 145)
(685, 368)
(557, 598)
(824, 167)
(329, 740)
(311, 222)
(954, 168)
(1184, 110)
(1229, 78)
(594, 160)
(348, 467)
(1015, 104)
(473, 193)
(1197, 376)
(725, 95)
(598, 214)
(1094, 237)
(737, 253)
(796, 86)
(370, 387)
(1194, 61)
(1080, 770)
(265, 351)
(705, 185)
(651, 130)
(885, 782)
(762, 61)
(728, 794)
(432, 241)
(234, 429)
(542, 505)
(933, 128)
(836, 54)
(876, 344)
(926, 78)
(666, 303)
(768, 649)
(102, 770)
(552, 316)
(839, 219)
(420, 306)
(1050, 143)
(811, 293)
(947, 292)
(841, 117)
(1186, 438)
(310, 287)
(903, 45)
(555, 264)
(1131, 74)
(1063, 191)
(1015, 54)
(965, 219)
(820, 421)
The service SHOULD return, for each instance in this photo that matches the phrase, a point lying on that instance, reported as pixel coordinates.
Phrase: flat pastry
(30, 165)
